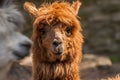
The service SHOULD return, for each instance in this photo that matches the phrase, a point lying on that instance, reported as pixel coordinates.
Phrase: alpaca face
(52, 37)
(56, 39)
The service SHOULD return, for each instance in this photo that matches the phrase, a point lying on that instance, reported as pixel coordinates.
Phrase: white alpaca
(13, 44)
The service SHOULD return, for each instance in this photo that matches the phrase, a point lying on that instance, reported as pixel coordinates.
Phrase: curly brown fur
(56, 21)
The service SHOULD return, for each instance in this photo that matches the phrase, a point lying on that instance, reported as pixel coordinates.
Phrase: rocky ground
(95, 67)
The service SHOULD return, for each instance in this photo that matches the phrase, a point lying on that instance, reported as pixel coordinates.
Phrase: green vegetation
(115, 59)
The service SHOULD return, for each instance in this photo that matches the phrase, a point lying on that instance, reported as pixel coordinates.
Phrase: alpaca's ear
(31, 8)
(76, 5)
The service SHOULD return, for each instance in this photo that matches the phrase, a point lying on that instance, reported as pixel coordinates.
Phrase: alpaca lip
(58, 53)
(57, 50)
(20, 54)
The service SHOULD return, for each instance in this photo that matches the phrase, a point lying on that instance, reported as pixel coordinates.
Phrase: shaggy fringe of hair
(61, 11)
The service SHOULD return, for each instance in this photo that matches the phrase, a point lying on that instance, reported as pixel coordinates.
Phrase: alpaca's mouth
(57, 50)
(20, 55)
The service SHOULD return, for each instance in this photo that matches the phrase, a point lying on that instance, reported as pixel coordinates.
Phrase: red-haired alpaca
(57, 41)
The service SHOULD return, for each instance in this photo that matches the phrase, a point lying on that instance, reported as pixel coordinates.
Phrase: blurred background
(100, 20)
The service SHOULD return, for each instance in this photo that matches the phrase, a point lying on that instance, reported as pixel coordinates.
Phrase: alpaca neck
(4, 71)
(59, 71)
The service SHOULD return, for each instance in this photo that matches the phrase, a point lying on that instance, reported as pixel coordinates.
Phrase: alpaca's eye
(68, 31)
(42, 31)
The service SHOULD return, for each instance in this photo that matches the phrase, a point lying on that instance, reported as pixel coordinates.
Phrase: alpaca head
(56, 31)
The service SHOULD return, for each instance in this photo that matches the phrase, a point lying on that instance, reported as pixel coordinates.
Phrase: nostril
(56, 43)
(23, 49)
(26, 44)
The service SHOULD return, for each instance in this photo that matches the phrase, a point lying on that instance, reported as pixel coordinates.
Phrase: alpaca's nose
(56, 42)
(57, 47)
(26, 44)
(23, 49)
